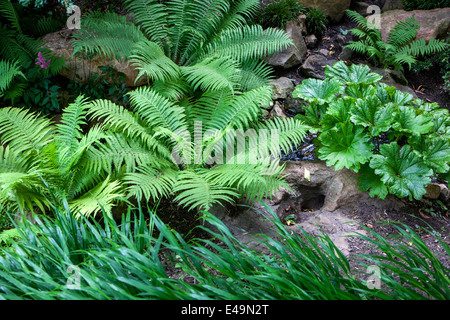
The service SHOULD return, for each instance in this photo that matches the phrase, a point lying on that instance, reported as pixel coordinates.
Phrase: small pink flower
(42, 62)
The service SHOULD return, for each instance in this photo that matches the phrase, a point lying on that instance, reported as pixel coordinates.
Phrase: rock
(392, 4)
(335, 9)
(314, 66)
(324, 52)
(433, 191)
(282, 87)
(434, 24)
(341, 39)
(317, 205)
(277, 111)
(291, 56)
(444, 194)
(361, 8)
(294, 106)
(396, 79)
(60, 43)
(311, 41)
(346, 54)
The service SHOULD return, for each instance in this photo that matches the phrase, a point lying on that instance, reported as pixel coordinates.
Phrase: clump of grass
(125, 261)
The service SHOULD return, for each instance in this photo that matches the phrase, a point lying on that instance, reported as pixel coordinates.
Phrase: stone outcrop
(314, 66)
(320, 203)
(80, 70)
(434, 24)
(293, 55)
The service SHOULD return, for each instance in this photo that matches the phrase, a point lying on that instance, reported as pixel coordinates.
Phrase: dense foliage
(396, 143)
(277, 13)
(401, 47)
(425, 5)
(66, 258)
(23, 80)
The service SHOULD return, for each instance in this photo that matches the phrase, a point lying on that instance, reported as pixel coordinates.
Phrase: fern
(8, 71)
(184, 33)
(43, 162)
(401, 48)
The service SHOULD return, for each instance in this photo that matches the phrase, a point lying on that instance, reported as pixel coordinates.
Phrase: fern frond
(202, 20)
(8, 236)
(255, 74)
(156, 110)
(99, 198)
(249, 42)
(240, 11)
(150, 183)
(195, 190)
(110, 35)
(119, 119)
(24, 130)
(8, 71)
(213, 74)
(151, 61)
(69, 130)
(242, 110)
(46, 25)
(13, 161)
(285, 134)
(118, 151)
(359, 19)
(7, 10)
(174, 89)
(151, 17)
(205, 108)
(403, 32)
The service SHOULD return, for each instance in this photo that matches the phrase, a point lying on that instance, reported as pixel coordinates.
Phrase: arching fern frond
(213, 74)
(156, 110)
(23, 130)
(150, 183)
(242, 110)
(151, 61)
(249, 42)
(8, 71)
(7, 10)
(101, 197)
(151, 17)
(110, 35)
(195, 190)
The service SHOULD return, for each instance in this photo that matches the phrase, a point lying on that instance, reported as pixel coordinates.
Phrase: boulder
(293, 55)
(335, 9)
(434, 24)
(281, 88)
(314, 66)
(311, 41)
(433, 191)
(277, 111)
(82, 69)
(320, 203)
